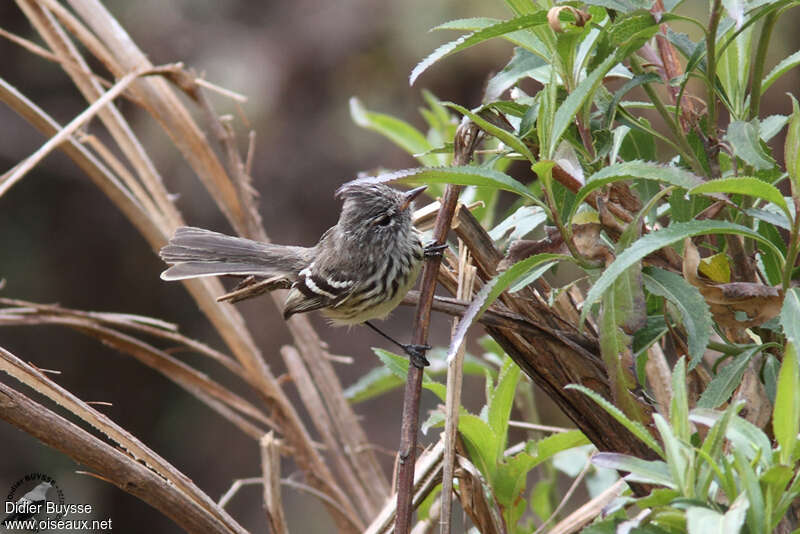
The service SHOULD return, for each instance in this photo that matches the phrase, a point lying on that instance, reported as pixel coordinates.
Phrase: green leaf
(519, 224)
(468, 40)
(635, 169)
(398, 365)
(524, 38)
(701, 520)
(779, 70)
(743, 435)
(492, 290)
(786, 416)
(679, 405)
(743, 185)
(791, 147)
(623, 312)
(645, 471)
(565, 114)
(746, 142)
(466, 175)
(482, 443)
(659, 239)
(509, 481)
(749, 481)
(634, 427)
(546, 448)
(790, 315)
(623, 6)
(381, 380)
(508, 138)
(728, 378)
(502, 399)
(524, 64)
(679, 456)
(694, 311)
(398, 131)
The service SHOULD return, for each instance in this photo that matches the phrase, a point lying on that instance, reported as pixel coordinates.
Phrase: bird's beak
(410, 196)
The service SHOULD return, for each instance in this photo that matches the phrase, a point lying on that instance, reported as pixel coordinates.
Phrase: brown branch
(271, 472)
(466, 140)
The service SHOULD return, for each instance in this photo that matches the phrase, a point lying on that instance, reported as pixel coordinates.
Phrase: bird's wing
(314, 291)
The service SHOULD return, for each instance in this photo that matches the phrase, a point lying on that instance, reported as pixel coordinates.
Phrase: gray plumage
(360, 269)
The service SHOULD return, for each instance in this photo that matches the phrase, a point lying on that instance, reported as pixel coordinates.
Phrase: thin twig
(567, 496)
(465, 142)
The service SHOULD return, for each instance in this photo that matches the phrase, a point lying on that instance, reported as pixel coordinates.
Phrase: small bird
(360, 269)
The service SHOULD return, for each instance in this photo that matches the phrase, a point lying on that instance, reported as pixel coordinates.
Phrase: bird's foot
(416, 354)
(434, 250)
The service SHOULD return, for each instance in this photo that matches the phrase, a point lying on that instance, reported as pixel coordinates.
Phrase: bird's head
(376, 211)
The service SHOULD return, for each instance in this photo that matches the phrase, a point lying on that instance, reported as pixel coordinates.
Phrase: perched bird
(29, 505)
(360, 269)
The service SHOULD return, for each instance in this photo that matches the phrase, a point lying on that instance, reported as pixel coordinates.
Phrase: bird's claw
(434, 250)
(416, 354)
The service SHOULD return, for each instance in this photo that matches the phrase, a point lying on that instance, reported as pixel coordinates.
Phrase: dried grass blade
(113, 465)
(43, 385)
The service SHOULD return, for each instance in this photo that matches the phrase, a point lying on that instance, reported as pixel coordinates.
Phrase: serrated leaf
(786, 416)
(481, 442)
(746, 142)
(790, 315)
(752, 489)
(466, 175)
(779, 70)
(634, 427)
(623, 312)
(791, 148)
(524, 64)
(727, 379)
(677, 455)
(636, 169)
(623, 6)
(659, 239)
(695, 314)
(743, 435)
(566, 112)
(646, 471)
(466, 41)
(502, 399)
(743, 185)
(491, 291)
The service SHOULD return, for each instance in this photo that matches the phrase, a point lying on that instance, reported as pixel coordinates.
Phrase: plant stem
(466, 140)
(682, 145)
(711, 62)
(758, 67)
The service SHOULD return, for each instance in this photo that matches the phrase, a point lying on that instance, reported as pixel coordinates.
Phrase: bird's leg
(416, 353)
(434, 249)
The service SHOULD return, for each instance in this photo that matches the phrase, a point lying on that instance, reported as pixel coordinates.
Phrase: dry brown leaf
(736, 305)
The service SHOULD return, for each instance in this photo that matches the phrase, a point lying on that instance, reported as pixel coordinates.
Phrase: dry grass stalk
(455, 376)
(271, 471)
(427, 475)
(141, 195)
(36, 380)
(112, 465)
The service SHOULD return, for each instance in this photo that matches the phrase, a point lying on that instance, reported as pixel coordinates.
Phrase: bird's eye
(384, 220)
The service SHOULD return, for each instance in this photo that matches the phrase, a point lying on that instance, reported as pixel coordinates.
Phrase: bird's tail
(194, 252)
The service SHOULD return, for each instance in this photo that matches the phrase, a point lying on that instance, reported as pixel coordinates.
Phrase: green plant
(684, 225)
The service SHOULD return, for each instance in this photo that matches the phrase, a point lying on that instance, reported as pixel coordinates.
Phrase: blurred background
(62, 241)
